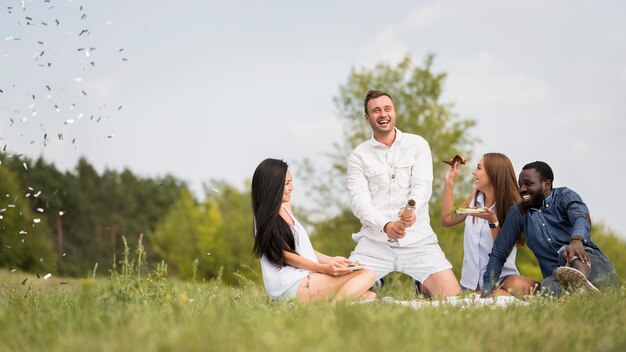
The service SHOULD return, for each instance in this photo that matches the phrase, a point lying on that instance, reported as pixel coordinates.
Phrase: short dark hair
(373, 94)
(544, 170)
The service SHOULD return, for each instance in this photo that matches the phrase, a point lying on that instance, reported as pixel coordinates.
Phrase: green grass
(128, 312)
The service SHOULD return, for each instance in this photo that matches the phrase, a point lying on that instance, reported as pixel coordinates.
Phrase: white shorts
(416, 260)
(291, 292)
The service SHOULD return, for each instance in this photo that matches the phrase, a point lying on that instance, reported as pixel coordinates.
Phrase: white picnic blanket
(466, 302)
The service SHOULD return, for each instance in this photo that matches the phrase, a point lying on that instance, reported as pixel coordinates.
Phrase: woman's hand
(452, 173)
(488, 215)
(337, 266)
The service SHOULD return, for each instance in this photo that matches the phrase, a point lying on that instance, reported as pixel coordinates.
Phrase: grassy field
(129, 312)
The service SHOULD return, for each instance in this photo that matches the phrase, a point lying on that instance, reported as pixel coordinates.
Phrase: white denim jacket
(380, 181)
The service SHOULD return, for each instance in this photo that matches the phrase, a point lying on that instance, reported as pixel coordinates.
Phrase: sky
(205, 90)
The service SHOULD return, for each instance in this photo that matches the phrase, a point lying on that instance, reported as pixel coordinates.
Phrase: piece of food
(466, 211)
(354, 265)
(457, 159)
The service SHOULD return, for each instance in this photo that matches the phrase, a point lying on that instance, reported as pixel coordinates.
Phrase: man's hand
(576, 249)
(394, 229)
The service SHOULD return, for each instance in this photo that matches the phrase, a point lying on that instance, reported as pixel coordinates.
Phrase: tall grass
(138, 309)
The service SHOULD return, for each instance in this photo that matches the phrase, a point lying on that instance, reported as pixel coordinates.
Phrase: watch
(493, 225)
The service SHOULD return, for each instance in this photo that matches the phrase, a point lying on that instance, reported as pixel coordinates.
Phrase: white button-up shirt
(477, 244)
(380, 181)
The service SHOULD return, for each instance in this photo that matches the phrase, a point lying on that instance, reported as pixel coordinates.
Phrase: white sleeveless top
(278, 280)
(477, 244)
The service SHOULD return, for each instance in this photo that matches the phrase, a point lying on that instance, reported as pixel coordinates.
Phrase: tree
(217, 232)
(26, 240)
(233, 248)
(416, 91)
(186, 233)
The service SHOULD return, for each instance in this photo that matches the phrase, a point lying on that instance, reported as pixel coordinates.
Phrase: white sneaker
(574, 281)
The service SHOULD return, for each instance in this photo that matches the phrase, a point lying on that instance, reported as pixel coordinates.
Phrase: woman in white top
(291, 267)
(496, 191)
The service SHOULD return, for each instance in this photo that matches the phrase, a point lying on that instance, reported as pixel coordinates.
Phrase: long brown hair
(502, 176)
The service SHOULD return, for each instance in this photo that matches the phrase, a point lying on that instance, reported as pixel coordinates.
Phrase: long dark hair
(500, 171)
(272, 233)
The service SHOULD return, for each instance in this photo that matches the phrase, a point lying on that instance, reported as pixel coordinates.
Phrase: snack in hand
(457, 159)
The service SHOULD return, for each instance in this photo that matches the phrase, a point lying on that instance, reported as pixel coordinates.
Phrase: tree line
(66, 222)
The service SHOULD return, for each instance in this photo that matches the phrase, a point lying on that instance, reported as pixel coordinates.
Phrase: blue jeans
(601, 275)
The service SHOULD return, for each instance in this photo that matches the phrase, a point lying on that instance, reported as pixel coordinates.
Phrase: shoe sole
(574, 281)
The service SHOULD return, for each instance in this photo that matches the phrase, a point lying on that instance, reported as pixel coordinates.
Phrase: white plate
(466, 211)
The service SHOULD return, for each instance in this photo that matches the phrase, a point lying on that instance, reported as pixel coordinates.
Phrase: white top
(477, 244)
(278, 280)
(380, 181)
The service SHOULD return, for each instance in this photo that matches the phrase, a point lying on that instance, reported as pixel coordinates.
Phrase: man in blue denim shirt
(557, 227)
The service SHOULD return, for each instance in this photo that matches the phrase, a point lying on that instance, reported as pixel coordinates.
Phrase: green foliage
(187, 231)
(612, 246)
(218, 233)
(87, 213)
(25, 240)
(235, 239)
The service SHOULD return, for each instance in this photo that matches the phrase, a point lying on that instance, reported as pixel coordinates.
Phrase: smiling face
(533, 189)
(288, 187)
(381, 115)
(482, 182)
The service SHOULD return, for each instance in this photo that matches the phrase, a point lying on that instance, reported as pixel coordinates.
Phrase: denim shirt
(547, 229)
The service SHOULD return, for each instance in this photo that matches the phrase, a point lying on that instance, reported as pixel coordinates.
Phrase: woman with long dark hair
(291, 267)
(496, 191)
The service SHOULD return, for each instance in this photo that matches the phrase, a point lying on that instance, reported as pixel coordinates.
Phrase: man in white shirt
(383, 173)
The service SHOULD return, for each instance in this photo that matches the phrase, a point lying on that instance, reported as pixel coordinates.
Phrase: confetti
(36, 220)
(61, 213)
(48, 275)
(13, 270)
(69, 121)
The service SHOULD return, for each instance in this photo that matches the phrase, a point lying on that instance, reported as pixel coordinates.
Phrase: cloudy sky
(207, 89)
